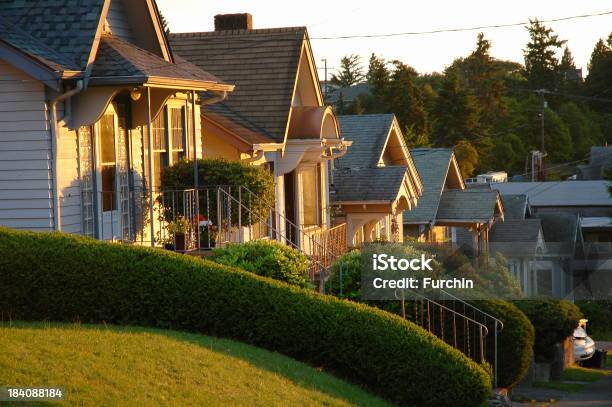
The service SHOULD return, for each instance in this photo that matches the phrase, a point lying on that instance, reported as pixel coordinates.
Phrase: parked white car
(584, 346)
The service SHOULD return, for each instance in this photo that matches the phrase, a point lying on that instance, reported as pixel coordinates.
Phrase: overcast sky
(426, 53)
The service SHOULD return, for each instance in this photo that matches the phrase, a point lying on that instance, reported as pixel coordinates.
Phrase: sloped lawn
(99, 365)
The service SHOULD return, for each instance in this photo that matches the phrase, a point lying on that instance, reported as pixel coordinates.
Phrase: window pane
(107, 138)
(178, 128)
(160, 161)
(159, 131)
(309, 193)
(108, 187)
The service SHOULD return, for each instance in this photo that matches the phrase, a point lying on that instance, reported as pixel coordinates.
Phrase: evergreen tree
(405, 100)
(457, 115)
(350, 72)
(378, 77)
(164, 23)
(599, 81)
(541, 62)
(467, 158)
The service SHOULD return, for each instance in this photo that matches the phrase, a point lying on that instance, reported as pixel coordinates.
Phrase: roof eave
(161, 82)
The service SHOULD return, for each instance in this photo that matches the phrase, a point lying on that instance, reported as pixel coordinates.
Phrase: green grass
(583, 374)
(568, 387)
(605, 336)
(609, 361)
(99, 365)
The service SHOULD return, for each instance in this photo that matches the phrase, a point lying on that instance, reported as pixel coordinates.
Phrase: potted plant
(178, 229)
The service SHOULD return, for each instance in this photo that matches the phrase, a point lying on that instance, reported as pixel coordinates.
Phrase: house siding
(118, 22)
(26, 194)
(68, 182)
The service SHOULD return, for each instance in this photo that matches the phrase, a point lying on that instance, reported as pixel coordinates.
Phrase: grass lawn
(99, 365)
(609, 361)
(583, 374)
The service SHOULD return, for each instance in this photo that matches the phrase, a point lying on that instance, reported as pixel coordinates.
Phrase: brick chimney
(241, 21)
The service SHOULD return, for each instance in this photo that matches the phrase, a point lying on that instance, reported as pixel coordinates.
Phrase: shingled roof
(515, 206)
(470, 205)
(432, 164)
(60, 32)
(118, 60)
(515, 237)
(368, 134)
(561, 232)
(262, 63)
(367, 184)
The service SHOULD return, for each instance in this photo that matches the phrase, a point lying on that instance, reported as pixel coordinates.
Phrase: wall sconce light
(135, 94)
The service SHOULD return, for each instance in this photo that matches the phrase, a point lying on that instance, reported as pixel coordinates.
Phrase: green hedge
(515, 341)
(266, 258)
(64, 278)
(553, 320)
(599, 314)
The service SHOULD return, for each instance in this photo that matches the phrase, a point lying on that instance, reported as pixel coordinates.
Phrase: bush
(514, 342)
(218, 172)
(553, 320)
(266, 258)
(66, 278)
(599, 314)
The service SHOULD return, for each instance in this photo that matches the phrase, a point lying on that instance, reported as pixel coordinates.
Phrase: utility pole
(324, 60)
(542, 155)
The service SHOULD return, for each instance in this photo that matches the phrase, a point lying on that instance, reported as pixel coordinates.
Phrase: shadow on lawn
(306, 377)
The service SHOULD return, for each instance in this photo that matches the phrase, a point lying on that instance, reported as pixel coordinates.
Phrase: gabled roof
(368, 134)
(67, 27)
(561, 232)
(118, 61)
(262, 63)
(468, 205)
(516, 206)
(516, 237)
(33, 47)
(433, 165)
(381, 184)
(560, 193)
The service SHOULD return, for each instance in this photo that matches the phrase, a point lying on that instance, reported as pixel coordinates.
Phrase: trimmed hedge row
(553, 320)
(65, 278)
(515, 341)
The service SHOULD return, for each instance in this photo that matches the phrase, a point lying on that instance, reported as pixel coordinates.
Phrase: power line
(450, 30)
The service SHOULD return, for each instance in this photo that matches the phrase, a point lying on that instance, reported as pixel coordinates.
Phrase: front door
(112, 176)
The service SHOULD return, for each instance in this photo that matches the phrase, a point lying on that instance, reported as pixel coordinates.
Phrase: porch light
(135, 94)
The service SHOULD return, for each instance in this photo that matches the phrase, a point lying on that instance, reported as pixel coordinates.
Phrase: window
(108, 161)
(311, 193)
(177, 133)
(169, 139)
(160, 149)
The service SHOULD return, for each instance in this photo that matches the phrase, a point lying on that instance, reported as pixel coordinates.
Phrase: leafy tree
(467, 158)
(541, 62)
(579, 128)
(350, 72)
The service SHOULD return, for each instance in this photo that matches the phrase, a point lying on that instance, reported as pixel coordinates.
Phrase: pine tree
(378, 77)
(405, 100)
(350, 72)
(457, 115)
(541, 62)
(599, 81)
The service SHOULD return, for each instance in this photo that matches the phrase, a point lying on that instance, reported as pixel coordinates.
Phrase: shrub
(599, 314)
(219, 172)
(553, 320)
(66, 278)
(514, 342)
(266, 258)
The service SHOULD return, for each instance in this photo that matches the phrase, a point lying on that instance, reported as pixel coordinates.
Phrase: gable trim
(29, 65)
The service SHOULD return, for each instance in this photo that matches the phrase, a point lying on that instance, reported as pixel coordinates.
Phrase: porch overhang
(175, 83)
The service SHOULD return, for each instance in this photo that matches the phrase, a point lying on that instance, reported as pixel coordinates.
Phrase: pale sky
(426, 53)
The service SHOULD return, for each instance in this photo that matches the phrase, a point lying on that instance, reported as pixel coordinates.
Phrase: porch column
(150, 153)
(196, 181)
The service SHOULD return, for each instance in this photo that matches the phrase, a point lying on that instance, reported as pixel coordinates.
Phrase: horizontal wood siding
(117, 20)
(26, 194)
(68, 182)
